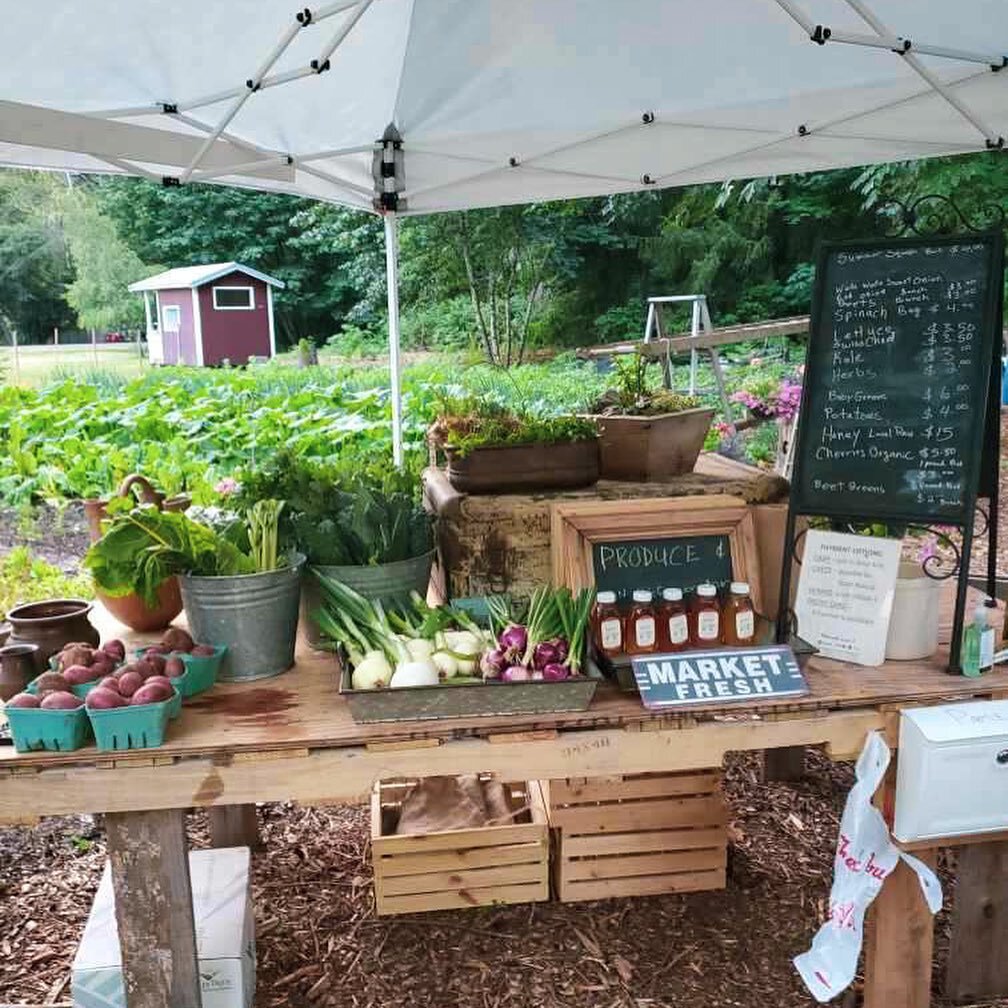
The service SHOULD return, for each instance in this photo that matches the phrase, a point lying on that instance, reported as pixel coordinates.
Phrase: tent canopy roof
(196, 276)
(496, 101)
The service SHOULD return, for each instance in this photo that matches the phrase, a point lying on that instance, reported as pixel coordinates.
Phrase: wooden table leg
(234, 826)
(899, 942)
(786, 764)
(154, 912)
(978, 955)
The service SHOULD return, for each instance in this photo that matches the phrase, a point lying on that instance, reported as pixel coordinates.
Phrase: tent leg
(395, 368)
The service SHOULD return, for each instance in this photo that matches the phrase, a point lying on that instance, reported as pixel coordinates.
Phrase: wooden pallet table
(292, 739)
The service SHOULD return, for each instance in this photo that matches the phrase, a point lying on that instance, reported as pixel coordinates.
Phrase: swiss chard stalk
(263, 532)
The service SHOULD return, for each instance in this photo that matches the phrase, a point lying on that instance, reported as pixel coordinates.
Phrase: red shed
(208, 314)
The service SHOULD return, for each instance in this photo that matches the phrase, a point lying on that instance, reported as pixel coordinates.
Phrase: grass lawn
(37, 364)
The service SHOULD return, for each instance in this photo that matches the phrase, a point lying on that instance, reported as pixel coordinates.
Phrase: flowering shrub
(769, 398)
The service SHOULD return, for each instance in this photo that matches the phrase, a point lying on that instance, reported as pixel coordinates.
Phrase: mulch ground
(320, 944)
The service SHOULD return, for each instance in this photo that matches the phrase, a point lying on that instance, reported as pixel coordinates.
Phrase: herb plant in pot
(237, 589)
(495, 449)
(362, 525)
(647, 434)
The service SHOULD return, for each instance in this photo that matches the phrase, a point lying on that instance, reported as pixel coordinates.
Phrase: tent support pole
(395, 368)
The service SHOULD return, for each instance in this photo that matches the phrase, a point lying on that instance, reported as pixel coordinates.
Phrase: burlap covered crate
(456, 868)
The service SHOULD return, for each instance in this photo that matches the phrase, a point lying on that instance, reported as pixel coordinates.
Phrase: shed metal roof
(196, 276)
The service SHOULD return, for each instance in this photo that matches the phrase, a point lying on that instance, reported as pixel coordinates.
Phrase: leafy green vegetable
(343, 513)
(142, 549)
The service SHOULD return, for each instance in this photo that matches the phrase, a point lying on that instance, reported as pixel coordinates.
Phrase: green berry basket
(201, 671)
(140, 727)
(58, 730)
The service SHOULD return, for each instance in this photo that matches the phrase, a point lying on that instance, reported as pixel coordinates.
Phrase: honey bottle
(739, 617)
(642, 624)
(673, 621)
(608, 624)
(705, 617)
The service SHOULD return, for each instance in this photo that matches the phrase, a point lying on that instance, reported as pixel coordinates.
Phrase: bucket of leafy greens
(363, 526)
(239, 587)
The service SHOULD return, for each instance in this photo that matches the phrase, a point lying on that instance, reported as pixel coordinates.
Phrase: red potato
(156, 662)
(102, 667)
(75, 654)
(162, 681)
(151, 692)
(77, 675)
(204, 651)
(174, 668)
(104, 699)
(109, 682)
(161, 649)
(115, 649)
(60, 701)
(129, 683)
(49, 681)
(123, 669)
(177, 639)
(145, 668)
(23, 700)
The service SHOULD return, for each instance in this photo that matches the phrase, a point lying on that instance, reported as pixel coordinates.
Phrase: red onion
(514, 639)
(554, 672)
(545, 653)
(492, 664)
(563, 648)
(516, 673)
(536, 675)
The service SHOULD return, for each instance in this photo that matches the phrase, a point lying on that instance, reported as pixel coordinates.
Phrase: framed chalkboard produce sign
(676, 542)
(899, 413)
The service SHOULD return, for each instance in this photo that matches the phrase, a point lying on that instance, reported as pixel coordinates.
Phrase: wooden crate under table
(638, 834)
(507, 863)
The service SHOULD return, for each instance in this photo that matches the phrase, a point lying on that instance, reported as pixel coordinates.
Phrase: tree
(33, 262)
(105, 267)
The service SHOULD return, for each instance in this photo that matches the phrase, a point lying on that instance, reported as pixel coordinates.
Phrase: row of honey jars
(671, 625)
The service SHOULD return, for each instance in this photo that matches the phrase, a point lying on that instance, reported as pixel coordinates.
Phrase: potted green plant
(238, 588)
(360, 524)
(492, 448)
(647, 434)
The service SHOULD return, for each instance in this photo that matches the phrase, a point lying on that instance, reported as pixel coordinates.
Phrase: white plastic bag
(864, 858)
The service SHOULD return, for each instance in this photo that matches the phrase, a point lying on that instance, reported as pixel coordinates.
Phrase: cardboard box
(225, 936)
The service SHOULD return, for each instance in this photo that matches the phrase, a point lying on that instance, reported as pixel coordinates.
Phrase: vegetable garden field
(186, 429)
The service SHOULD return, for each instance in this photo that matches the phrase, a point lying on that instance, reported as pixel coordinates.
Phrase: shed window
(233, 298)
(171, 316)
(152, 308)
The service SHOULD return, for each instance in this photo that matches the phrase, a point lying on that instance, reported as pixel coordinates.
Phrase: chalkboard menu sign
(897, 377)
(682, 562)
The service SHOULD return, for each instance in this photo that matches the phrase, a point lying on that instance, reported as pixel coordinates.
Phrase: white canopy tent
(418, 106)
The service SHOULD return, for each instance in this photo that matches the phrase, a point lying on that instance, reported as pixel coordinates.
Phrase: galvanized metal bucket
(390, 582)
(255, 615)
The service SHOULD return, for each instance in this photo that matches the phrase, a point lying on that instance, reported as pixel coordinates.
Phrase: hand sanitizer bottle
(969, 658)
(986, 637)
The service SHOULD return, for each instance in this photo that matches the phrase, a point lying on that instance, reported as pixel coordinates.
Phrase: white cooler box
(952, 770)
(225, 936)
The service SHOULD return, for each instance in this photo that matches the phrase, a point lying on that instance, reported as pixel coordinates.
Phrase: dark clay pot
(51, 624)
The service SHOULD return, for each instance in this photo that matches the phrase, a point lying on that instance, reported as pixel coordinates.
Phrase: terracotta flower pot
(137, 615)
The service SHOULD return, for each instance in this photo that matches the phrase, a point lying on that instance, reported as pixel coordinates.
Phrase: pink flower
(227, 486)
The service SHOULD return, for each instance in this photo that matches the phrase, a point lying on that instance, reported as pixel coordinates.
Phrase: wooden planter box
(459, 868)
(513, 468)
(637, 835)
(651, 448)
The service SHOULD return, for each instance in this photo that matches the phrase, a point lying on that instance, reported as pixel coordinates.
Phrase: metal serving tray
(488, 699)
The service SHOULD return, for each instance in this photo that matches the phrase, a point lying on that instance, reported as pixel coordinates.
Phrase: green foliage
(105, 267)
(33, 259)
(24, 578)
(635, 395)
(473, 422)
(142, 548)
(344, 512)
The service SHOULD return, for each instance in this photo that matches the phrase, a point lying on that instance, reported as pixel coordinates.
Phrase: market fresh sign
(717, 676)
